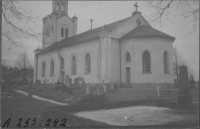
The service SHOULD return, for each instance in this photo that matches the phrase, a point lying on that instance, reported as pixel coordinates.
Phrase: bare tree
(14, 13)
(23, 63)
(11, 13)
(163, 9)
(178, 61)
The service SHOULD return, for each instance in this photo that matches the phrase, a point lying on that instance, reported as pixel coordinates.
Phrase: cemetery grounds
(21, 106)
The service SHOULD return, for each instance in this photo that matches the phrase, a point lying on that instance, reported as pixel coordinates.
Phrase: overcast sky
(105, 12)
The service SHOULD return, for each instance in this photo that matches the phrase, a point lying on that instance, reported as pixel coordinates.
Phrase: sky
(105, 12)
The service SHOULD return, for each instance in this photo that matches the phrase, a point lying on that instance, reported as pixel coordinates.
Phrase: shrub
(91, 98)
(67, 89)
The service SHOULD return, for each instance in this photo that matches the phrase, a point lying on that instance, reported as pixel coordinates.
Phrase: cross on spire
(136, 6)
(91, 23)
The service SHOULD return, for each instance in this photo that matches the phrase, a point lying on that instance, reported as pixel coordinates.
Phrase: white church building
(128, 51)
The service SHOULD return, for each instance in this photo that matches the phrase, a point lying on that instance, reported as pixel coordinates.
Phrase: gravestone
(87, 89)
(184, 97)
(67, 80)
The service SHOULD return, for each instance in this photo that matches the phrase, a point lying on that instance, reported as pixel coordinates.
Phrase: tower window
(66, 32)
(62, 32)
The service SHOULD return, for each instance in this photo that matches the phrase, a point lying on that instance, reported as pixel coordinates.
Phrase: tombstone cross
(91, 23)
(158, 89)
(136, 6)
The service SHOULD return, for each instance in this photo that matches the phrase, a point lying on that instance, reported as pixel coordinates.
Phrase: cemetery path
(137, 115)
(41, 98)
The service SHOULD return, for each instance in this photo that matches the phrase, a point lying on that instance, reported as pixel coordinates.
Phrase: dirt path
(40, 98)
(139, 115)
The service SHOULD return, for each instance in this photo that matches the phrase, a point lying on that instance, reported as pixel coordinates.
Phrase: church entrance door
(128, 75)
(62, 76)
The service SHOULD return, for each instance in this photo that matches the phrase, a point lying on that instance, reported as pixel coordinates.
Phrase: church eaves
(83, 37)
(146, 31)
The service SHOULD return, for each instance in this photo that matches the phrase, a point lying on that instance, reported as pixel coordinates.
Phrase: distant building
(127, 51)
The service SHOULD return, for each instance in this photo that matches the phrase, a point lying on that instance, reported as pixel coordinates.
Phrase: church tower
(60, 7)
(58, 25)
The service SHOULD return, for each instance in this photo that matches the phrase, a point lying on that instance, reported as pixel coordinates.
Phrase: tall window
(62, 7)
(87, 64)
(52, 29)
(66, 32)
(52, 69)
(146, 62)
(166, 62)
(73, 65)
(48, 32)
(43, 69)
(62, 32)
(62, 63)
(128, 57)
(57, 6)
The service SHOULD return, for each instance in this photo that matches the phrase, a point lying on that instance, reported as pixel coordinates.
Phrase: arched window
(87, 64)
(62, 63)
(62, 32)
(166, 62)
(66, 32)
(48, 32)
(62, 7)
(43, 69)
(146, 62)
(128, 57)
(52, 69)
(73, 65)
(57, 6)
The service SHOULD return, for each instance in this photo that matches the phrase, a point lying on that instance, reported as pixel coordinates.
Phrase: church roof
(145, 31)
(85, 36)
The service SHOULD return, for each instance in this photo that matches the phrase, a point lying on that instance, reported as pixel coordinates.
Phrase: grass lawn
(17, 106)
(49, 92)
(20, 106)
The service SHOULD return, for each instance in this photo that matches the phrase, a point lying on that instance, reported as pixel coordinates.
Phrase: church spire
(59, 6)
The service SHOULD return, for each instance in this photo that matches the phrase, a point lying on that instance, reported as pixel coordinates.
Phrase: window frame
(73, 65)
(166, 64)
(43, 68)
(66, 32)
(62, 63)
(146, 61)
(52, 68)
(62, 32)
(87, 65)
(128, 57)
